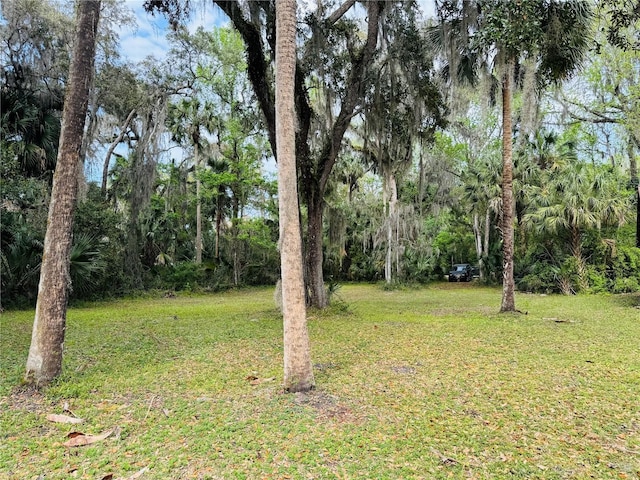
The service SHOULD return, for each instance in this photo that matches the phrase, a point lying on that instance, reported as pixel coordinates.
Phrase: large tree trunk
(315, 169)
(298, 371)
(314, 256)
(44, 362)
(508, 287)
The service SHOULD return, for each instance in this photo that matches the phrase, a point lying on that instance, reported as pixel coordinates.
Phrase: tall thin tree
(552, 32)
(298, 371)
(44, 362)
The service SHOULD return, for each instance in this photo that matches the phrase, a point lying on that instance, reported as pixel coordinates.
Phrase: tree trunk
(635, 181)
(508, 287)
(576, 251)
(484, 273)
(44, 362)
(314, 257)
(298, 371)
(198, 207)
(392, 227)
(478, 236)
(218, 225)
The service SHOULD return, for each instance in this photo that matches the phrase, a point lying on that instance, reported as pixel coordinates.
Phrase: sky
(148, 37)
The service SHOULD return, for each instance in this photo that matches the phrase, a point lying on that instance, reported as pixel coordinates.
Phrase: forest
(399, 146)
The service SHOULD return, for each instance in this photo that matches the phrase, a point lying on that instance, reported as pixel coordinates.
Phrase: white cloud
(148, 36)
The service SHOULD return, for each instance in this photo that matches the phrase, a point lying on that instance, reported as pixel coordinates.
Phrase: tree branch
(355, 83)
(337, 15)
(112, 147)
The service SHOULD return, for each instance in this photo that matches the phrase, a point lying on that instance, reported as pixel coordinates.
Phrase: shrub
(626, 285)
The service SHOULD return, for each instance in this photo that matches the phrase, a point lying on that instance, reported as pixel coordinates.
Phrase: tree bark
(315, 174)
(298, 371)
(508, 284)
(44, 362)
(635, 180)
(198, 207)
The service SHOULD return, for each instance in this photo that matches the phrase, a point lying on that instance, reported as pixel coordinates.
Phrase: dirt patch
(325, 405)
(25, 398)
(403, 369)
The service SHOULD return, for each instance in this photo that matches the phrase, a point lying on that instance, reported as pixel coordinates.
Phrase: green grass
(426, 383)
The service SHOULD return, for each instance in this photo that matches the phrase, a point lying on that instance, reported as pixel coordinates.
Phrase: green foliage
(454, 244)
(86, 265)
(541, 278)
(626, 285)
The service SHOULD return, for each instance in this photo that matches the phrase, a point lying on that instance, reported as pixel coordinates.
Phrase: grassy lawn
(428, 383)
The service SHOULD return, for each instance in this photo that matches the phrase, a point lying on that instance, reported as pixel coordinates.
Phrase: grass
(418, 383)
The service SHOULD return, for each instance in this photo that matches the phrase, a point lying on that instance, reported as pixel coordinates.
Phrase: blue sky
(148, 38)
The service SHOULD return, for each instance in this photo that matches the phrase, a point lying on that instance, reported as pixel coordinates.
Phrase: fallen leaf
(53, 417)
(258, 381)
(77, 439)
(138, 474)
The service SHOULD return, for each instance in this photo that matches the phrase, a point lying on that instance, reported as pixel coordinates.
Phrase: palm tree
(44, 362)
(575, 198)
(187, 118)
(550, 31)
(298, 371)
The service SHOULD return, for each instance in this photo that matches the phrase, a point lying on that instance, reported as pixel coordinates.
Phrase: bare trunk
(635, 181)
(44, 362)
(484, 274)
(392, 227)
(508, 287)
(317, 292)
(478, 236)
(198, 207)
(576, 251)
(298, 371)
(218, 226)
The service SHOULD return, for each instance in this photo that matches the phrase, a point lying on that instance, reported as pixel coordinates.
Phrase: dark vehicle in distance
(461, 272)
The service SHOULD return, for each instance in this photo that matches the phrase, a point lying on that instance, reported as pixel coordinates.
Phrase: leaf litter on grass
(502, 397)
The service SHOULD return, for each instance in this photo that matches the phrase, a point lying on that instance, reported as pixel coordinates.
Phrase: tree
(44, 362)
(549, 33)
(187, 119)
(298, 371)
(574, 198)
(333, 72)
(612, 78)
